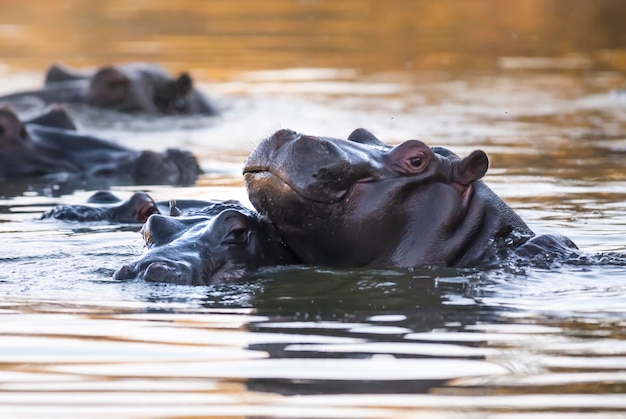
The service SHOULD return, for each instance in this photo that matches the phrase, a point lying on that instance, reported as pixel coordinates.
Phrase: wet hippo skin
(223, 242)
(46, 146)
(359, 202)
(130, 88)
(108, 207)
(104, 206)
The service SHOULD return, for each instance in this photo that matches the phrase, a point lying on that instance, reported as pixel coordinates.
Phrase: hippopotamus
(106, 206)
(360, 202)
(48, 144)
(131, 88)
(222, 242)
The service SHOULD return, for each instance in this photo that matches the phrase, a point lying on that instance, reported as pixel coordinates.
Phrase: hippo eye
(416, 161)
(146, 211)
(152, 210)
(237, 236)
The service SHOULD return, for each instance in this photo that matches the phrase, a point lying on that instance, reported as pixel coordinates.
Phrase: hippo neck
(486, 231)
(498, 230)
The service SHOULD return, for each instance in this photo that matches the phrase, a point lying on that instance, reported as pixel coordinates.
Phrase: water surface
(311, 341)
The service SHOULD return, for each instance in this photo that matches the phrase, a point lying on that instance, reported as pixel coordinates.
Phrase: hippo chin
(131, 88)
(49, 144)
(359, 202)
(223, 242)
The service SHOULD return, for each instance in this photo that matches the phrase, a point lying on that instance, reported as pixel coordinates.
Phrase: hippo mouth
(180, 273)
(152, 271)
(311, 167)
(270, 177)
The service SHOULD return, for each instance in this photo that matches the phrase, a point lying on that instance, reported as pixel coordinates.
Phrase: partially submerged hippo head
(104, 206)
(361, 202)
(131, 88)
(223, 243)
(20, 155)
(145, 88)
(48, 145)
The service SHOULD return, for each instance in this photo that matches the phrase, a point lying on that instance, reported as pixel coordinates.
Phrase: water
(313, 342)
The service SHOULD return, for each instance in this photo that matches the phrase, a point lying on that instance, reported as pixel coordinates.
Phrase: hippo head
(142, 89)
(104, 206)
(361, 202)
(19, 155)
(205, 249)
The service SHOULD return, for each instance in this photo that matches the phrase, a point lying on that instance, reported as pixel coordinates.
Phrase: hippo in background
(360, 202)
(131, 88)
(106, 206)
(223, 242)
(49, 144)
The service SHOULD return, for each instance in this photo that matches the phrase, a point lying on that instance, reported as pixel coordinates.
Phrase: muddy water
(310, 341)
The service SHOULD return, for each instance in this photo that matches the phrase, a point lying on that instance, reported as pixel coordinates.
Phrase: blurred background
(214, 38)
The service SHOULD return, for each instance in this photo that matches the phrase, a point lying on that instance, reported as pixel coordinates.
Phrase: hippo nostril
(283, 136)
(125, 272)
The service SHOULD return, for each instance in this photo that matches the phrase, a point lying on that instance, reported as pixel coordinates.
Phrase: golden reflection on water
(370, 35)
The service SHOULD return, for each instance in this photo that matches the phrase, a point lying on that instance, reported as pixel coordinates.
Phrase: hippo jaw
(185, 269)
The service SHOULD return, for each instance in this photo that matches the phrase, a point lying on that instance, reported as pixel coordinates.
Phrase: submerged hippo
(223, 242)
(49, 144)
(131, 88)
(361, 202)
(105, 206)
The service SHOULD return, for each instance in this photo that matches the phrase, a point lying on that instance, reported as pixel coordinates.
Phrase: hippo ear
(184, 84)
(59, 73)
(12, 126)
(103, 197)
(363, 136)
(174, 210)
(471, 168)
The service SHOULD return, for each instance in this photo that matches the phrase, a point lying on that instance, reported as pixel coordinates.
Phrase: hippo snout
(163, 272)
(153, 271)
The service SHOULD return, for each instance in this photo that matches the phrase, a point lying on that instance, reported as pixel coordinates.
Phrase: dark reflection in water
(312, 300)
